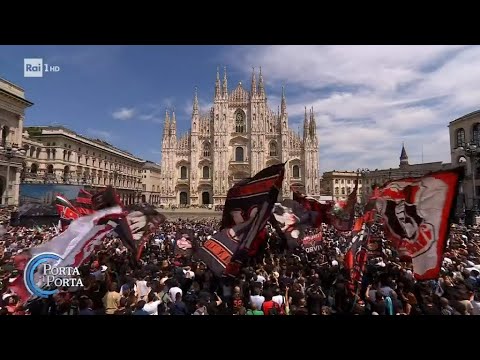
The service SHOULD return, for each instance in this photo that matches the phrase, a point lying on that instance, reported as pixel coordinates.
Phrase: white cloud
(370, 99)
(124, 114)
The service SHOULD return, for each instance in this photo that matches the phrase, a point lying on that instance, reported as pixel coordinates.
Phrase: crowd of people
(277, 282)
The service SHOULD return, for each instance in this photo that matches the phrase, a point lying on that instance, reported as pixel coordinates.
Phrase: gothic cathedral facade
(237, 138)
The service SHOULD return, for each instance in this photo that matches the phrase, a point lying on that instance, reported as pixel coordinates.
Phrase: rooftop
(15, 91)
(467, 116)
(37, 131)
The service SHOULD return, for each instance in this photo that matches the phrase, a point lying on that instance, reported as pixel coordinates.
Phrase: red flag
(416, 213)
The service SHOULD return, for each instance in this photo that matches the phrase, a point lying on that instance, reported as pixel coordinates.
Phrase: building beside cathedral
(237, 138)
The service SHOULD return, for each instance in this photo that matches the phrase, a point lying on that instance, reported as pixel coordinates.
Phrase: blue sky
(367, 99)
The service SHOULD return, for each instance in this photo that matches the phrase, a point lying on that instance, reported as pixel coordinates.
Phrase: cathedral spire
(403, 156)
(166, 124)
(261, 86)
(305, 125)
(217, 85)
(225, 84)
(284, 101)
(173, 125)
(195, 102)
(313, 125)
(254, 83)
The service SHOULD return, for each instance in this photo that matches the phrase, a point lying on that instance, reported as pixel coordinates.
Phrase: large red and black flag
(247, 209)
(416, 214)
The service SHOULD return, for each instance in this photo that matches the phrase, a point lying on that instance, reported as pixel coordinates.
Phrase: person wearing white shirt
(141, 289)
(151, 307)
(257, 299)
(174, 290)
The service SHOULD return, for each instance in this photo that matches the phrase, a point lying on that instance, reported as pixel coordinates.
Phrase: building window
(476, 134)
(343, 191)
(360, 182)
(206, 172)
(296, 171)
(336, 191)
(183, 172)
(460, 137)
(342, 181)
(206, 149)
(348, 181)
(239, 153)
(240, 122)
(273, 149)
(336, 181)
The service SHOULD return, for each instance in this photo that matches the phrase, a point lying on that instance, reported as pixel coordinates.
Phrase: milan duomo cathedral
(237, 138)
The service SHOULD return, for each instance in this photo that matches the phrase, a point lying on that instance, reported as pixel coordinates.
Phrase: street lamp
(363, 174)
(472, 152)
(10, 152)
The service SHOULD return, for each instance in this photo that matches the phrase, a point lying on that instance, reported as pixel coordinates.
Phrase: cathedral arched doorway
(206, 198)
(183, 198)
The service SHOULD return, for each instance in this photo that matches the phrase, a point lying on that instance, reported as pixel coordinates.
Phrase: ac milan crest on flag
(416, 213)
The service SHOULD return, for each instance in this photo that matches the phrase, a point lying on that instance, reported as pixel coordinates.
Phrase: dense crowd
(277, 282)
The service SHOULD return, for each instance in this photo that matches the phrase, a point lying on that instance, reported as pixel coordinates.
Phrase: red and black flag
(356, 259)
(340, 214)
(416, 214)
(247, 209)
(83, 202)
(320, 211)
(139, 225)
(66, 211)
(291, 220)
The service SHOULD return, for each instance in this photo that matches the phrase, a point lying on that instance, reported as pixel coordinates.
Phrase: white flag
(78, 241)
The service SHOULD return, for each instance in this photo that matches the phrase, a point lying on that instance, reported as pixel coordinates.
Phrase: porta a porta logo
(34, 67)
(52, 277)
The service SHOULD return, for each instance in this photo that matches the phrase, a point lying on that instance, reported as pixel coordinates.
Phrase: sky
(368, 100)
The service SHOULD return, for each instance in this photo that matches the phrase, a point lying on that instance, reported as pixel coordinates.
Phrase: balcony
(205, 180)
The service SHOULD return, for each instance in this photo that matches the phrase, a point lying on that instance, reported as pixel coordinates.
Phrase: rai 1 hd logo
(43, 278)
(36, 67)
